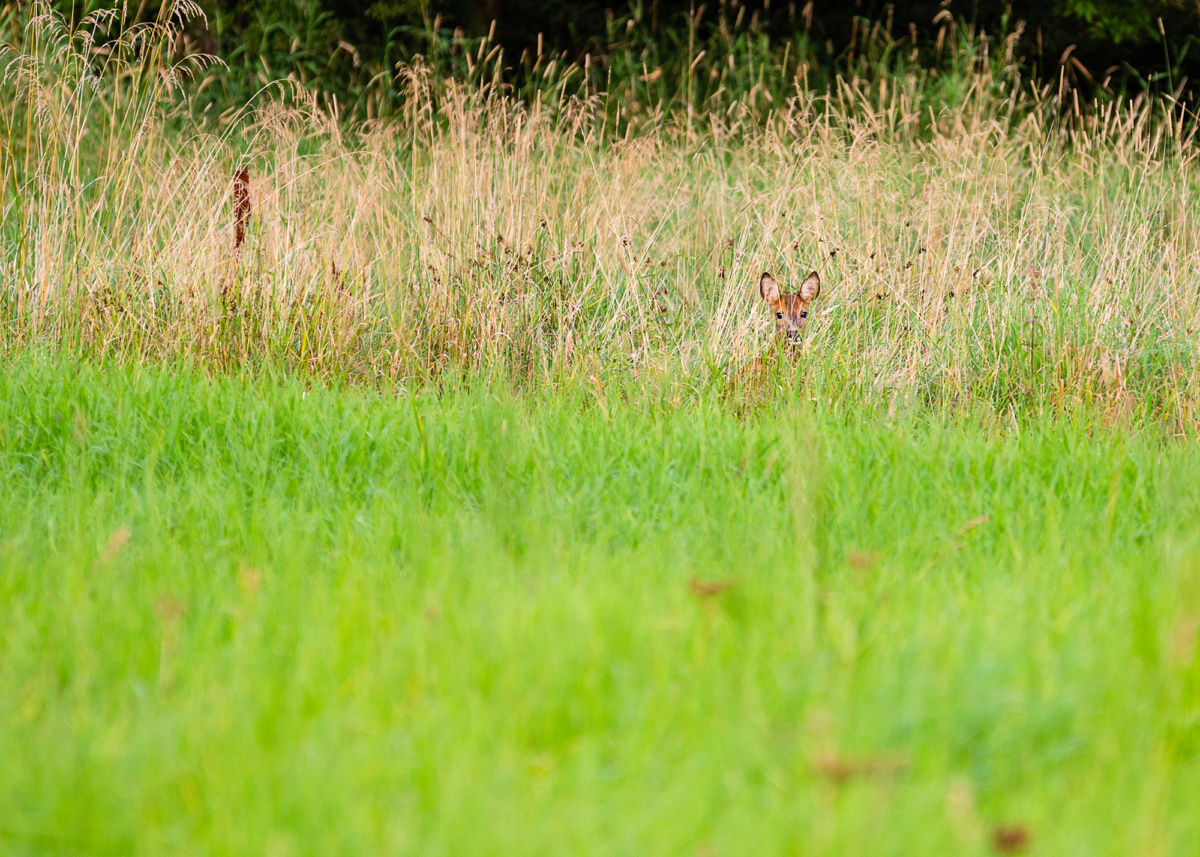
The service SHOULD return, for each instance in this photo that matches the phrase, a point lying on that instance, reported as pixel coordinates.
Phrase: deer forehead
(791, 303)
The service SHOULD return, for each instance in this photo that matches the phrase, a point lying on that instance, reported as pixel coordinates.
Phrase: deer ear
(768, 288)
(811, 287)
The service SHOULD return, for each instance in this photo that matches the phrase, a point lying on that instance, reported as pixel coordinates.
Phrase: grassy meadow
(244, 616)
(426, 517)
(979, 244)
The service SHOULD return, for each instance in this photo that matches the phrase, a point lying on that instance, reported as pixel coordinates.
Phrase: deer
(791, 317)
(791, 311)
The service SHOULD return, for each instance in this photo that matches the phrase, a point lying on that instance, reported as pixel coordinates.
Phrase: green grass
(241, 617)
(389, 531)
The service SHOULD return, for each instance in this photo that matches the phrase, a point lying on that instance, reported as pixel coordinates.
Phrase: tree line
(344, 47)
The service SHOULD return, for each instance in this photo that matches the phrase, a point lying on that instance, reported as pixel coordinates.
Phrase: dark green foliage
(350, 49)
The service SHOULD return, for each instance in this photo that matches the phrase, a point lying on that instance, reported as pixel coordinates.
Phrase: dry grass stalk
(241, 207)
(974, 262)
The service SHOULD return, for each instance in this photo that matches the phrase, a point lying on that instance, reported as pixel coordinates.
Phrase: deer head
(791, 311)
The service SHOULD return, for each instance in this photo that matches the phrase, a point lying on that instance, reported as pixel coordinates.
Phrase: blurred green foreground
(239, 617)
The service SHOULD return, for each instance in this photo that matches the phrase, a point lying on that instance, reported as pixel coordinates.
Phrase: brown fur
(791, 311)
(791, 317)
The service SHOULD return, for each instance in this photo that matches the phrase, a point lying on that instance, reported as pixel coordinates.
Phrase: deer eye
(804, 314)
(779, 315)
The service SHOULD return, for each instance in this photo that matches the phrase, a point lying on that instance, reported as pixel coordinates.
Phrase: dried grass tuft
(993, 257)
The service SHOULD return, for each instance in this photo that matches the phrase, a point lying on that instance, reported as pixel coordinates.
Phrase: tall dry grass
(1011, 253)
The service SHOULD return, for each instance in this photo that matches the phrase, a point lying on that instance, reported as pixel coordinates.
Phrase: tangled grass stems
(996, 256)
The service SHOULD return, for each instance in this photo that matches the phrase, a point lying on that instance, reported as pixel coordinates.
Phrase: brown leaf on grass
(1011, 839)
(710, 588)
(115, 542)
(250, 579)
(840, 769)
(168, 608)
(862, 559)
(967, 526)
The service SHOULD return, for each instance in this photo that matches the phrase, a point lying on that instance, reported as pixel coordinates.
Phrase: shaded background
(1120, 38)
(344, 47)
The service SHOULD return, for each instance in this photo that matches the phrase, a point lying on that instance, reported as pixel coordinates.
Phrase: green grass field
(241, 616)
(401, 497)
